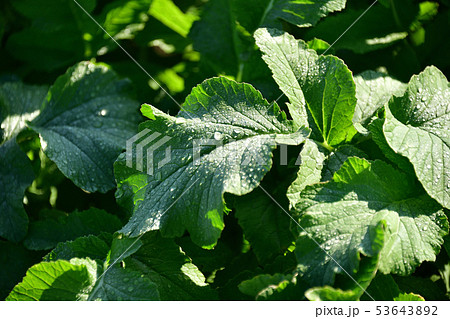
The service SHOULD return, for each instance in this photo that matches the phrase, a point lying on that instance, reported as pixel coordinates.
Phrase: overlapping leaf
(417, 127)
(338, 217)
(176, 277)
(320, 89)
(85, 122)
(309, 171)
(221, 142)
(77, 279)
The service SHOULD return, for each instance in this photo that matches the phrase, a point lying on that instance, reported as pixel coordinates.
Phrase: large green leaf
(18, 103)
(417, 127)
(78, 279)
(383, 288)
(354, 288)
(85, 122)
(46, 234)
(171, 16)
(157, 259)
(320, 89)
(232, 130)
(69, 273)
(91, 246)
(338, 217)
(60, 280)
(122, 18)
(373, 91)
(263, 287)
(335, 160)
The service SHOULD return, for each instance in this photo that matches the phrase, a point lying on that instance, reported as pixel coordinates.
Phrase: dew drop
(218, 136)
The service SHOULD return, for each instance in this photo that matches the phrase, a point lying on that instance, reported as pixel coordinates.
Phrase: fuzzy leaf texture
(85, 122)
(340, 216)
(320, 89)
(417, 127)
(221, 141)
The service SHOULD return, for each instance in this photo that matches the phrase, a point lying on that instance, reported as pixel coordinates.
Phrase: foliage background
(181, 43)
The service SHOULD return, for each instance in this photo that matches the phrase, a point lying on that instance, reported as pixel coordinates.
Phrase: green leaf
(301, 13)
(162, 261)
(171, 16)
(373, 91)
(416, 127)
(266, 226)
(355, 287)
(90, 246)
(409, 297)
(309, 172)
(85, 122)
(252, 14)
(217, 37)
(122, 18)
(15, 170)
(337, 158)
(18, 103)
(262, 287)
(119, 284)
(77, 280)
(320, 89)
(232, 154)
(46, 234)
(383, 288)
(340, 216)
(60, 280)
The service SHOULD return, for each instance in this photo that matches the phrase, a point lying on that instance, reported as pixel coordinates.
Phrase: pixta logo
(143, 145)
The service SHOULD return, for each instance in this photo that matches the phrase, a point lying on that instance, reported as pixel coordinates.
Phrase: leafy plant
(282, 176)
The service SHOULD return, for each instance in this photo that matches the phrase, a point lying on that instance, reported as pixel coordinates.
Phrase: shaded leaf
(340, 216)
(85, 123)
(46, 234)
